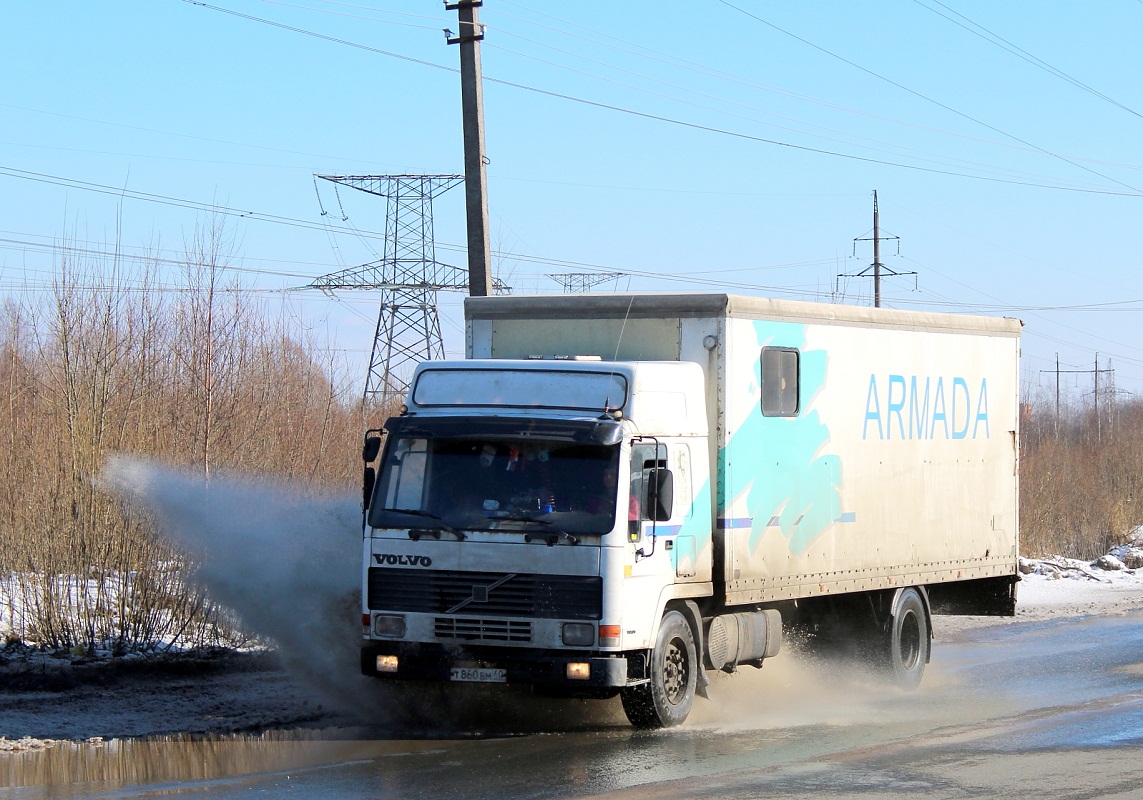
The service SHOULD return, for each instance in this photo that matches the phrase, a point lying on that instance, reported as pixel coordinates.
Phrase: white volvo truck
(615, 494)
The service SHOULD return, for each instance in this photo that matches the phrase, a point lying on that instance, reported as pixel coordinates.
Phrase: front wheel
(908, 640)
(667, 698)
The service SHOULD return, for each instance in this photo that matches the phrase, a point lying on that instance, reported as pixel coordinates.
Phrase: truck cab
(531, 521)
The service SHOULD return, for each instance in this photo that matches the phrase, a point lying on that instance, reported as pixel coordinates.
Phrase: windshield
(496, 483)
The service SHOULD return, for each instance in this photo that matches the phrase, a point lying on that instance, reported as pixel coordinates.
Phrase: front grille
(484, 630)
(486, 594)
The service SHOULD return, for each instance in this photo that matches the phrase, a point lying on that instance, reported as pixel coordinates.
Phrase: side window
(779, 382)
(406, 472)
(646, 461)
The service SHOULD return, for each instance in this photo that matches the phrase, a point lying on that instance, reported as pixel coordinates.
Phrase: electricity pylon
(409, 277)
(581, 282)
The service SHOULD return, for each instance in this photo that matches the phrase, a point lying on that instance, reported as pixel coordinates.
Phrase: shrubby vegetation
(204, 378)
(1081, 475)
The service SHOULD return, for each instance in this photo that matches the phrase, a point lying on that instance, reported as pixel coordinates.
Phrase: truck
(619, 494)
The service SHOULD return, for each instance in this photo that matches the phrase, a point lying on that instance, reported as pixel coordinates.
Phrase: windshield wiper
(558, 533)
(416, 512)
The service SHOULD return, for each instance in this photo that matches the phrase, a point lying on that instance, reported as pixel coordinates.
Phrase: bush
(1081, 474)
(204, 378)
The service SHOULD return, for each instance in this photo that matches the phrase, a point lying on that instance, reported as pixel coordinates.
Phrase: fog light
(579, 671)
(608, 635)
(579, 634)
(392, 626)
(386, 663)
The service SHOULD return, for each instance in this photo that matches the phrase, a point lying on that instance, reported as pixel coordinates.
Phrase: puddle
(102, 766)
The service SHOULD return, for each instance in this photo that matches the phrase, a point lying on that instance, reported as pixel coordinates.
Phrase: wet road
(1019, 709)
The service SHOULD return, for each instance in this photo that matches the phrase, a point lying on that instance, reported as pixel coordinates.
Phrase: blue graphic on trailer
(777, 463)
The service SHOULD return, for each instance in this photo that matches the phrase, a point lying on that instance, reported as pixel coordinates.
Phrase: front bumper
(419, 662)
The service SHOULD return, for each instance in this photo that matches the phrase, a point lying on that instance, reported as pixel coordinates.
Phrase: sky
(715, 145)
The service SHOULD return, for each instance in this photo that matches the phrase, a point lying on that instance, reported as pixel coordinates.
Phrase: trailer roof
(609, 306)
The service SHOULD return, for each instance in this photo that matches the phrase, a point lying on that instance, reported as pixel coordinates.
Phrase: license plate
(479, 674)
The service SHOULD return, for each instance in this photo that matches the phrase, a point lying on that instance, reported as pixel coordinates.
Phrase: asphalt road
(1021, 709)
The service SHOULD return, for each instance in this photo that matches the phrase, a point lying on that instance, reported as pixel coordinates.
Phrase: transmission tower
(582, 282)
(409, 277)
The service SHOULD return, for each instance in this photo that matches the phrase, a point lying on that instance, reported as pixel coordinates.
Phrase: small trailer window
(779, 382)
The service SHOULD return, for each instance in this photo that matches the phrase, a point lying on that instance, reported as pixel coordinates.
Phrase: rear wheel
(908, 640)
(667, 698)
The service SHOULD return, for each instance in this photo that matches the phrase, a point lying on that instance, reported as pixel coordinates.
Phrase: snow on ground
(1078, 591)
(1068, 587)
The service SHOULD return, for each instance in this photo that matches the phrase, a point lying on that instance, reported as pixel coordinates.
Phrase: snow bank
(23, 744)
(1057, 586)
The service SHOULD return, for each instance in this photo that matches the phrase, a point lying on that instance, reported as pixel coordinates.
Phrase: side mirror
(660, 495)
(371, 448)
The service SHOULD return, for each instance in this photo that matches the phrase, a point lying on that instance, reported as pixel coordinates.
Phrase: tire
(667, 698)
(909, 641)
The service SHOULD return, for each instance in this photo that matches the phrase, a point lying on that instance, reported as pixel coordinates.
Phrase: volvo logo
(391, 560)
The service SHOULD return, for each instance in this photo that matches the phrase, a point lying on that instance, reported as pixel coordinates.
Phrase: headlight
(579, 634)
(391, 626)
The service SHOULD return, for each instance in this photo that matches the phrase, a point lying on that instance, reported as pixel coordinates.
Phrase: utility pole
(1095, 373)
(1057, 391)
(475, 160)
(876, 254)
(877, 267)
(1057, 371)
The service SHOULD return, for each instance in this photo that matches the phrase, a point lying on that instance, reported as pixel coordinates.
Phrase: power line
(673, 61)
(694, 277)
(713, 129)
(979, 30)
(701, 278)
(144, 256)
(348, 303)
(171, 133)
(864, 142)
(361, 16)
(255, 216)
(924, 97)
(820, 151)
(641, 51)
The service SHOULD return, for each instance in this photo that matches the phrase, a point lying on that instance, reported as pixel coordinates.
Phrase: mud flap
(694, 617)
